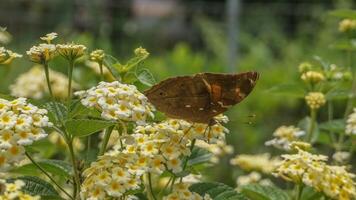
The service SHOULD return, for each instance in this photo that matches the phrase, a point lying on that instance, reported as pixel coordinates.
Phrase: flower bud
(315, 100)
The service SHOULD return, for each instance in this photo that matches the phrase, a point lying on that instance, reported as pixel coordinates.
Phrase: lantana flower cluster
(351, 123)
(7, 56)
(181, 191)
(312, 170)
(259, 162)
(284, 136)
(347, 25)
(32, 84)
(12, 191)
(117, 101)
(152, 148)
(42, 53)
(315, 100)
(21, 124)
(253, 177)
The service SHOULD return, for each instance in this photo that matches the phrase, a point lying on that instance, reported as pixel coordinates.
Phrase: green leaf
(57, 112)
(85, 127)
(7, 97)
(129, 77)
(55, 167)
(145, 77)
(259, 192)
(112, 64)
(37, 186)
(310, 194)
(304, 124)
(134, 62)
(77, 109)
(347, 45)
(217, 191)
(292, 90)
(337, 94)
(199, 156)
(343, 13)
(336, 125)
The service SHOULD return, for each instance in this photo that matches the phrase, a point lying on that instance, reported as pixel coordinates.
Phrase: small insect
(199, 98)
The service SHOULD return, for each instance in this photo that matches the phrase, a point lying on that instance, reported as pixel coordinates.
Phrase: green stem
(101, 71)
(46, 68)
(70, 76)
(299, 191)
(330, 118)
(311, 125)
(150, 185)
(48, 175)
(105, 140)
(188, 157)
(75, 169)
(165, 187)
(353, 87)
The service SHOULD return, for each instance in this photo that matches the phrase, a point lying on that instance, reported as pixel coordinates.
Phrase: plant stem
(75, 169)
(299, 191)
(105, 140)
(150, 185)
(101, 71)
(311, 125)
(48, 175)
(353, 87)
(330, 118)
(46, 68)
(70, 76)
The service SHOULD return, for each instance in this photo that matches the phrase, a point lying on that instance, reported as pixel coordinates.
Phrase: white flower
(351, 123)
(117, 101)
(21, 124)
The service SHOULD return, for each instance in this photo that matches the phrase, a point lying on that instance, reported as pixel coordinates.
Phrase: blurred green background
(191, 36)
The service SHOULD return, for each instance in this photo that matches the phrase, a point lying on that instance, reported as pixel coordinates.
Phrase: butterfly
(200, 97)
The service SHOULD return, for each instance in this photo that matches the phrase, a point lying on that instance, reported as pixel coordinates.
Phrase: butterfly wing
(184, 97)
(201, 97)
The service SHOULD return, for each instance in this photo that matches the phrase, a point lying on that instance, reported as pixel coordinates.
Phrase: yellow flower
(71, 51)
(141, 52)
(312, 77)
(304, 67)
(312, 170)
(315, 100)
(7, 56)
(97, 56)
(284, 136)
(260, 162)
(347, 25)
(42, 53)
(49, 37)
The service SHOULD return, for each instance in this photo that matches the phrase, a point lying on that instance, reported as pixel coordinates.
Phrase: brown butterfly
(199, 98)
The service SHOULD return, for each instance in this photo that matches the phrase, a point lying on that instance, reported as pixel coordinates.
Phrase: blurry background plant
(185, 37)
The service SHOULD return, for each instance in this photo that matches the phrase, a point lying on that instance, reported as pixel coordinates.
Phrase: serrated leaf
(145, 77)
(292, 90)
(129, 77)
(55, 167)
(111, 63)
(134, 61)
(260, 192)
(37, 186)
(199, 156)
(85, 127)
(217, 191)
(57, 112)
(343, 13)
(336, 125)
